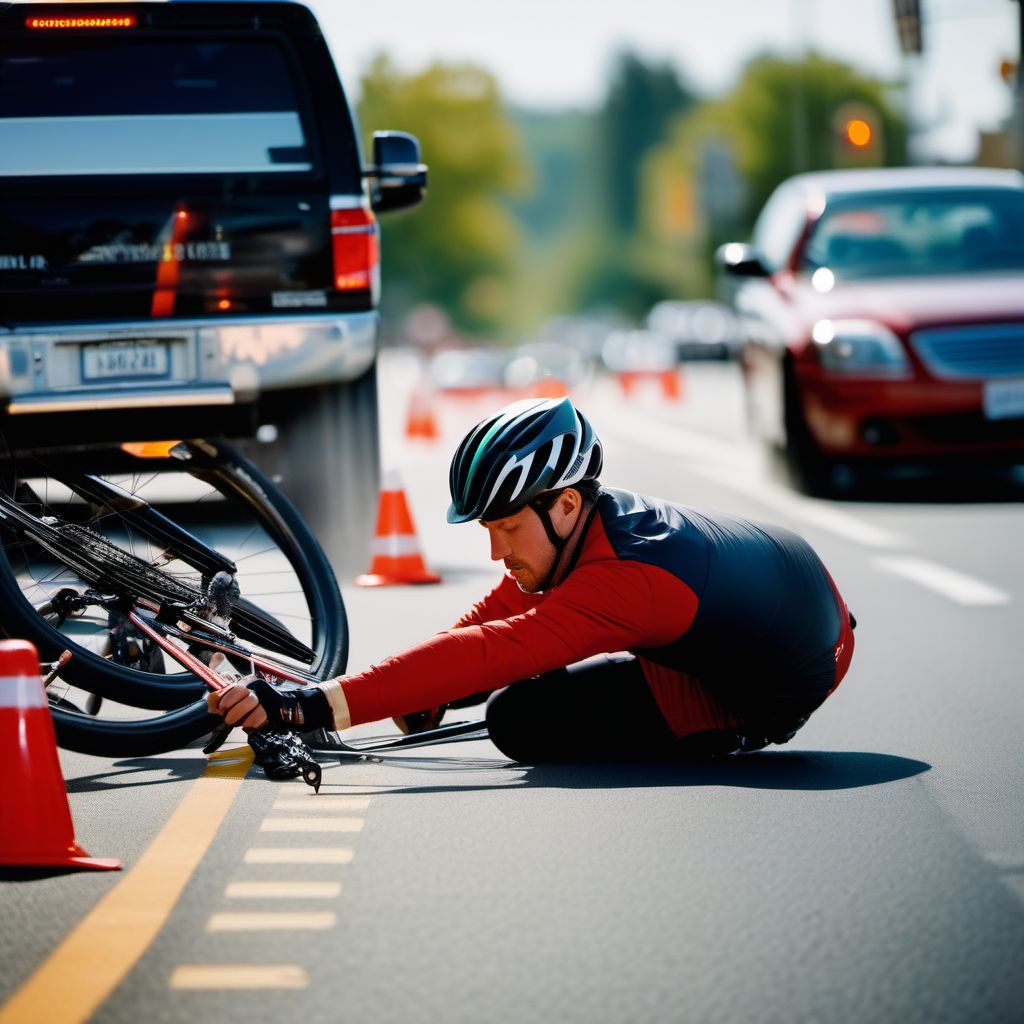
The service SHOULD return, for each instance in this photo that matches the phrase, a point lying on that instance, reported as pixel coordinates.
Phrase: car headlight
(859, 346)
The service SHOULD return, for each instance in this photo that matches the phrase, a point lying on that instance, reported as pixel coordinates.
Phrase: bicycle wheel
(212, 509)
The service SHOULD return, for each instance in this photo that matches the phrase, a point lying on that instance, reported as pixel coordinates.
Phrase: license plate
(1003, 399)
(126, 360)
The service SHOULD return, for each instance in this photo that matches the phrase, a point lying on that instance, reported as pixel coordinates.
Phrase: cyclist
(624, 625)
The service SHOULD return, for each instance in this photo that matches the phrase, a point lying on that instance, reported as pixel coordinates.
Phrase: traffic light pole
(1018, 104)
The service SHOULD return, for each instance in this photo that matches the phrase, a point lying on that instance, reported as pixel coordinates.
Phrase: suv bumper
(210, 373)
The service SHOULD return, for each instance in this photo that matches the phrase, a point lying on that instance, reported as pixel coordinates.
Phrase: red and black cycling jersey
(744, 608)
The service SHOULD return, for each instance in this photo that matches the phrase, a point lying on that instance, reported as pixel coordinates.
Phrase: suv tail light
(356, 246)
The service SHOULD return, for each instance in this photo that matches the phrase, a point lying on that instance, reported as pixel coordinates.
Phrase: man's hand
(237, 705)
(254, 703)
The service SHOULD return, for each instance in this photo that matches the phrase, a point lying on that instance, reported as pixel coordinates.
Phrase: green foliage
(782, 118)
(642, 101)
(459, 246)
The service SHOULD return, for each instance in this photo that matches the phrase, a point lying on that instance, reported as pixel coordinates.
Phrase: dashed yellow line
(313, 920)
(282, 890)
(223, 976)
(312, 825)
(91, 962)
(322, 804)
(299, 855)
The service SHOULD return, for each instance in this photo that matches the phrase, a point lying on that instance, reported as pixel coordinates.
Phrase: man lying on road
(735, 630)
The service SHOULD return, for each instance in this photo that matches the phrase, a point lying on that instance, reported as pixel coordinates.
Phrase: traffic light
(908, 25)
(857, 136)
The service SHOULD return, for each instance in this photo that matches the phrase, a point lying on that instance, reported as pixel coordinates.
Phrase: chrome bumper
(211, 362)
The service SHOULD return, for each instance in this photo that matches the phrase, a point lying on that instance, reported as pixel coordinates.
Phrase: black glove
(294, 710)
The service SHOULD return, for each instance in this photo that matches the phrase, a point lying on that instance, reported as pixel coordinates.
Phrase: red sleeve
(505, 600)
(604, 606)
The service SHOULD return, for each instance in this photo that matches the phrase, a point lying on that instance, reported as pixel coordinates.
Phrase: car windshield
(148, 106)
(919, 233)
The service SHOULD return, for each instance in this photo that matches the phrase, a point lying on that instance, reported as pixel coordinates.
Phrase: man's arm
(603, 606)
(504, 601)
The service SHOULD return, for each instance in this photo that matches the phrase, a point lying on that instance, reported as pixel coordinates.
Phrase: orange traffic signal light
(858, 132)
(857, 136)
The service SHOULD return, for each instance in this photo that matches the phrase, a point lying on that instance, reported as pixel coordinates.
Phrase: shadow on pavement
(122, 773)
(962, 486)
(810, 770)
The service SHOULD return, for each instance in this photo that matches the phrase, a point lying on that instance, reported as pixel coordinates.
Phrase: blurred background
(587, 160)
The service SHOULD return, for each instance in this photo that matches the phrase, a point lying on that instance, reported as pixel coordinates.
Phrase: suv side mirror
(740, 260)
(399, 179)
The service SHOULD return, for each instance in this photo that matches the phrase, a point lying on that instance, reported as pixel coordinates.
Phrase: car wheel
(802, 463)
(326, 458)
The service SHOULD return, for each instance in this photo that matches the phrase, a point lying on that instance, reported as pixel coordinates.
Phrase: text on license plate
(1004, 399)
(121, 359)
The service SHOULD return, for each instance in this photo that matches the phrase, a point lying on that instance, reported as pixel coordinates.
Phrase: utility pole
(1018, 100)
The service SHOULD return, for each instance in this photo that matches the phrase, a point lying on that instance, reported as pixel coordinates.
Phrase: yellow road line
(97, 954)
(282, 890)
(313, 920)
(299, 855)
(218, 976)
(312, 825)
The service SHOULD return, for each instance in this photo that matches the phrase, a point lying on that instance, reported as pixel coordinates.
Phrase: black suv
(187, 238)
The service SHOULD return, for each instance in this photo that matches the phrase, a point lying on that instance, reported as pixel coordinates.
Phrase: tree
(642, 102)
(458, 247)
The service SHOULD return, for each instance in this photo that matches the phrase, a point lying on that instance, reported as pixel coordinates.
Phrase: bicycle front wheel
(174, 513)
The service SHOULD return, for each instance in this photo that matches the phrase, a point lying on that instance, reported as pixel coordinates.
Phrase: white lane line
(299, 855)
(238, 976)
(312, 825)
(313, 920)
(957, 586)
(319, 804)
(734, 468)
(282, 890)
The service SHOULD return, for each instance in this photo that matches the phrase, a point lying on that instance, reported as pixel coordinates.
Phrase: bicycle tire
(180, 694)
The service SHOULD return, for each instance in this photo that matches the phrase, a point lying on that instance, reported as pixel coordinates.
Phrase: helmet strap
(543, 510)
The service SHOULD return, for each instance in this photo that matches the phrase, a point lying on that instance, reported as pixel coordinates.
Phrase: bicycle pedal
(284, 756)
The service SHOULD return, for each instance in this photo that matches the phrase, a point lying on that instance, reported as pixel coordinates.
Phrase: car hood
(906, 304)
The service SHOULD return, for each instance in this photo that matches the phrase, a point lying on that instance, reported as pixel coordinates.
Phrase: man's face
(520, 542)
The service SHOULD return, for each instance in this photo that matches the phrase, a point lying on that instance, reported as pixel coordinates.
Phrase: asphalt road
(872, 870)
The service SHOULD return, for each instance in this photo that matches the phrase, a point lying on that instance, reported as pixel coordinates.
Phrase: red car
(882, 315)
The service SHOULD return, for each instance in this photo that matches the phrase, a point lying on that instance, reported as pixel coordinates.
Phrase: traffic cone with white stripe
(421, 421)
(35, 819)
(396, 551)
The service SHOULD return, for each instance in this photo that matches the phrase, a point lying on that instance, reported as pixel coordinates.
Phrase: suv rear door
(171, 160)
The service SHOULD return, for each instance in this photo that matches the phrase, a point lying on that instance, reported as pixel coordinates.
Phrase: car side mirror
(740, 260)
(398, 178)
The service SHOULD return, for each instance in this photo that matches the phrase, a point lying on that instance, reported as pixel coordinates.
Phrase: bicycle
(84, 554)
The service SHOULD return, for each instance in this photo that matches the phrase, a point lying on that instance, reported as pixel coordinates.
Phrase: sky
(552, 54)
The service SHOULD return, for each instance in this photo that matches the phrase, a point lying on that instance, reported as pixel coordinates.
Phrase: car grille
(989, 350)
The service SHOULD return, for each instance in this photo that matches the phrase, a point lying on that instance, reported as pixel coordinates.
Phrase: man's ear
(569, 502)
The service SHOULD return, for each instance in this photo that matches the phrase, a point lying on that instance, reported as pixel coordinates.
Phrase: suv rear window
(149, 106)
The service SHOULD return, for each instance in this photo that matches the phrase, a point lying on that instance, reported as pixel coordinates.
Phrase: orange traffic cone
(35, 819)
(396, 551)
(547, 387)
(671, 385)
(421, 421)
